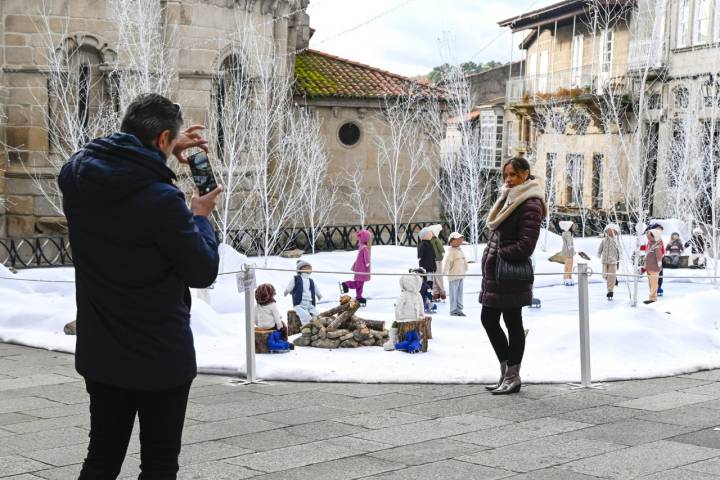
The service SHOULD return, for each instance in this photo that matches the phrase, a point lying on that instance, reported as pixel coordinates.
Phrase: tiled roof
(320, 74)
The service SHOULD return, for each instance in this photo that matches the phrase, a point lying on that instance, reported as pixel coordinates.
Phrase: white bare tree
(357, 197)
(406, 157)
(319, 192)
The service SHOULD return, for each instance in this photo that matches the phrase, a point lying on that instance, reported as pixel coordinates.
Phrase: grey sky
(406, 41)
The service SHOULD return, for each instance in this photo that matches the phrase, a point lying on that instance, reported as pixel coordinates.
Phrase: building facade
(85, 32)
(612, 96)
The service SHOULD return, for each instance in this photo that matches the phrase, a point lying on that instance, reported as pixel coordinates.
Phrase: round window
(349, 134)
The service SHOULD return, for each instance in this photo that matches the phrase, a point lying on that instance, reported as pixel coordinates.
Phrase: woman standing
(514, 222)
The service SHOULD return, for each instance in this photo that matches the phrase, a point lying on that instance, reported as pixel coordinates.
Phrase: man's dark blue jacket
(136, 249)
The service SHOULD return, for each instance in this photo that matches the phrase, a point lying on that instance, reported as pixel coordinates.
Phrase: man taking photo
(136, 249)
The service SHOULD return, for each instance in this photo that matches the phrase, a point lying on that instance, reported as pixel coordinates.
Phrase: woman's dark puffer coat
(517, 235)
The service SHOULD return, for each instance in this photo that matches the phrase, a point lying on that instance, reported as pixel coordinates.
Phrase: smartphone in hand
(202, 173)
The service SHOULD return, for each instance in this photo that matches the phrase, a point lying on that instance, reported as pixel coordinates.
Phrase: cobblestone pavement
(653, 429)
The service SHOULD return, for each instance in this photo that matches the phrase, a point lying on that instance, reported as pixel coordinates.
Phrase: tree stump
(371, 324)
(70, 328)
(294, 324)
(422, 327)
(261, 339)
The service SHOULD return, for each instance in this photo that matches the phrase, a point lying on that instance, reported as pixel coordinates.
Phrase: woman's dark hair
(149, 115)
(519, 164)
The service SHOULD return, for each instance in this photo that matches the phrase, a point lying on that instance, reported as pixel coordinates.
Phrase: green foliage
(435, 76)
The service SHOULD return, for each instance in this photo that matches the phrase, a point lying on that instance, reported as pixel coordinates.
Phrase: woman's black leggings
(511, 351)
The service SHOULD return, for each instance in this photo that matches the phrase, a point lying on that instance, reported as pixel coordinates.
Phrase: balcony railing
(645, 55)
(571, 82)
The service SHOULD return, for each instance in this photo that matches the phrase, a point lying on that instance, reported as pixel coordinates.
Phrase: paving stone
(61, 410)
(447, 470)
(602, 414)
(293, 457)
(430, 392)
(323, 430)
(653, 386)
(15, 465)
(360, 466)
(60, 456)
(692, 415)
(642, 460)
(464, 405)
(553, 474)
(427, 452)
(10, 418)
(712, 389)
(664, 401)
(364, 390)
(550, 406)
(208, 451)
(378, 402)
(679, 474)
(44, 440)
(382, 419)
(712, 375)
(302, 415)
(49, 424)
(130, 470)
(540, 453)
(431, 429)
(237, 396)
(520, 432)
(215, 471)
(632, 432)
(284, 388)
(23, 404)
(66, 393)
(711, 467)
(229, 428)
(34, 380)
(358, 444)
(268, 440)
(708, 437)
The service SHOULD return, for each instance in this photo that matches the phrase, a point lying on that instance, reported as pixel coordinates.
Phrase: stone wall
(366, 115)
(204, 32)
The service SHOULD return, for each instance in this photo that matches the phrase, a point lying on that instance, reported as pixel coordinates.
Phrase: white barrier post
(248, 283)
(584, 315)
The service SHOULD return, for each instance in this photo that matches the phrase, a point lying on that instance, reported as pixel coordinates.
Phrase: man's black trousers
(112, 415)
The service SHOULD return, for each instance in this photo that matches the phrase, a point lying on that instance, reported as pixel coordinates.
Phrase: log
(344, 316)
(371, 324)
(421, 326)
(294, 323)
(261, 339)
(335, 310)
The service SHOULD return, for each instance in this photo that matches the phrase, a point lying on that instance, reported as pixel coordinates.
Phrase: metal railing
(55, 251)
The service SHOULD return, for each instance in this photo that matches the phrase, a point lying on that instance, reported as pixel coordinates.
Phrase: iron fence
(34, 252)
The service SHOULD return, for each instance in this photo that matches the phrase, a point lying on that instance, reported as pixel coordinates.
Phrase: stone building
(668, 51)
(349, 99)
(204, 32)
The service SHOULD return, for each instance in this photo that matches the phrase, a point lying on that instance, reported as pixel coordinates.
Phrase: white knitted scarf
(511, 198)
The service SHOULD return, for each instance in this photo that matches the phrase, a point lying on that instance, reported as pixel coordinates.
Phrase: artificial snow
(678, 334)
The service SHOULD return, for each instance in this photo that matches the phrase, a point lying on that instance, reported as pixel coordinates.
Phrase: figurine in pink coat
(361, 267)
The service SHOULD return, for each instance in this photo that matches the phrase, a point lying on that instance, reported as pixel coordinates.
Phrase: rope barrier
(589, 274)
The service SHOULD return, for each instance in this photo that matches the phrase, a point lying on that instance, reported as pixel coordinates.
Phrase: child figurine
(409, 305)
(653, 263)
(267, 315)
(659, 228)
(304, 292)
(361, 267)
(456, 264)
(426, 259)
(438, 292)
(697, 249)
(674, 249)
(568, 251)
(609, 253)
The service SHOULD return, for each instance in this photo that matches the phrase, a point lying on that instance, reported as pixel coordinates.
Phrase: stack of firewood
(339, 327)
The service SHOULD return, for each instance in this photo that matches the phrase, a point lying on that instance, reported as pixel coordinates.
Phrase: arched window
(80, 95)
(231, 104)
